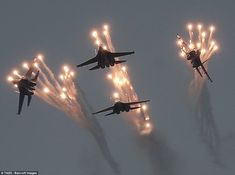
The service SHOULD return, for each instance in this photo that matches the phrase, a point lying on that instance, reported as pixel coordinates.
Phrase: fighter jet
(194, 57)
(121, 107)
(105, 58)
(26, 86)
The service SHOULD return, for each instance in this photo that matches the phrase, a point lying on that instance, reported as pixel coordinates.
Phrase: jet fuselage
(105, 59)
(194, 57)
(121, 107)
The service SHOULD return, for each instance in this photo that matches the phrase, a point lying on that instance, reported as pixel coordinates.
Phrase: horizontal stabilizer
(133, 108)
(94, 68)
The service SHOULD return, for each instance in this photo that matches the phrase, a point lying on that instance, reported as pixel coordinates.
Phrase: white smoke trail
(161, 157)
(65, 95)
(204, 117)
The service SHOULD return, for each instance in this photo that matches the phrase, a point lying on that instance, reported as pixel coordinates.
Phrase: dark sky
(44, 139)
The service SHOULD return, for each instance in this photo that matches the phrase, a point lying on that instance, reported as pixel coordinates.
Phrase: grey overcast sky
(44, 139)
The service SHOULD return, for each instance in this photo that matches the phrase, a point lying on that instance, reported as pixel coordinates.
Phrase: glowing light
(190, 26)
(46, 90)
(15, 85)
(212, 28)
(97, 42)
(199, 26)
(66, 69)
(180, 42)
(61, 77)
(63, 96)
(15, 72)
(138, 110)
(105, 32)
(35, 65)
(124, 68)
(198, 45)
(105, 47)
(106, 27)
(40, 57)
(94, 34)
(204, 34)
(203, 51)
(182, 54)
(144, 107)
(10, 79)
(25, 65)
(148, 125)
(191, 46)
(64, 89)
(116, 80)
(212, 43)
(115, 95)
(215, 47)
(72, 74)
(109, 76)
(147, 118)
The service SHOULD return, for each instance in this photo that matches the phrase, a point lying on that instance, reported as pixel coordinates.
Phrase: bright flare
(109, 76)
(199, 26)
(105, 32)
(15, 72)
(97, 42)
(63, 96)
(115, 95)
(124, 68)
(25, 65)
(66, 69)
(72, 74)
(106, 27)
(40, 57)
(212, 28)
(10, 79)
(144, 107)
(35, 65)
(148, 125)
(46, 90)
(204, 34)
(94, 34)
(190, 26)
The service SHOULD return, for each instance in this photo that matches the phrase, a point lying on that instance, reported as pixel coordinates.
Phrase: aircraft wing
(107, 109)
(120, 54)
(90, 61)
(29, 99)
(137, 102)
(21, 101)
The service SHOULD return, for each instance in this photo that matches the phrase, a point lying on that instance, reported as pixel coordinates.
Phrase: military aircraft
(194, 57)
(121, 107)
(105, 58)
(26, 86)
